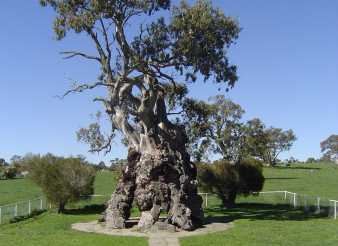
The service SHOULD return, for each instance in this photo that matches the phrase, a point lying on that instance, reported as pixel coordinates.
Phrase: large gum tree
(145, 75)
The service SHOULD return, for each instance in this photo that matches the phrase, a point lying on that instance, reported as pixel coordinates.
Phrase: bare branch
(93, 35)
(106, 146)
(173, 113)
(165, 76)
(82, 87)
(106, 39)
(71, 54)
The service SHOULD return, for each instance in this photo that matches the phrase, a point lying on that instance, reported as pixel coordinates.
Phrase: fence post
(318, 204)
(206, 200)
(305, 204)
(29, 207)
(16, 210)
(285, 195)
(294, 200)
(0, 215)
(41, 203)
(335, 209)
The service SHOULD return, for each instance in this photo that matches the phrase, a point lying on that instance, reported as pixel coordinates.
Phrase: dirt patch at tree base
(164, 237)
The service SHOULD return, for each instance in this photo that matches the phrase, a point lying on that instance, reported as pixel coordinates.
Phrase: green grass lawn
(314, 180)
(257, 220)
(262, 221)
(14, 190)
(53, 229)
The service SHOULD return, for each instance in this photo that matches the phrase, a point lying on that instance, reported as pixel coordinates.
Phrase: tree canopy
(144, 72)
(329, 147)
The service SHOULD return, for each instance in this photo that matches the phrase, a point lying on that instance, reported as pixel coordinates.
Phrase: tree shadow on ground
(281, 178)
(217, 219)
(87, 210)
(298, 167)
(252, 211)
(259, 211)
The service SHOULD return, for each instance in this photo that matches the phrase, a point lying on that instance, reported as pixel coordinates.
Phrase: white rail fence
(309, 204)
(22, 208)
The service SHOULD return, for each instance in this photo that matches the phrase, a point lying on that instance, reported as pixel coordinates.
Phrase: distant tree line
(13, 169)
(329, 148)
(217, 127)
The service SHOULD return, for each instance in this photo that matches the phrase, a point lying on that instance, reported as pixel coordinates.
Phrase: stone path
(163, 241)
(161, 238)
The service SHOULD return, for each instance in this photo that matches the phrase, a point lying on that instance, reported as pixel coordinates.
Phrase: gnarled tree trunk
(158, 176)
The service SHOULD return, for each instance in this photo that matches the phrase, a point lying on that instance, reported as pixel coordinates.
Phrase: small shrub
(251, 177)
(228, 180)
(62, 180)
(220, 178)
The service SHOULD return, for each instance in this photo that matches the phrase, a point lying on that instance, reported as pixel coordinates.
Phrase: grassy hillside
(254, 223)
(314, 179)
(14, 190)
(17, 190)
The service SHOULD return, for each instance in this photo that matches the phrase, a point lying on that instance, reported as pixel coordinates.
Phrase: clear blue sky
(287, 56)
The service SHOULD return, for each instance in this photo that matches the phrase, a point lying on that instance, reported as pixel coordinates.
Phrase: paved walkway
(216, 224)
(163, 241)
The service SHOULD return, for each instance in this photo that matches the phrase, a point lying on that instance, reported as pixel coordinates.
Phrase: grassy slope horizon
(297, 178)
(253, 224)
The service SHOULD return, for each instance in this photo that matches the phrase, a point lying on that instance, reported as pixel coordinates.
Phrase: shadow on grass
(252, 211)
(217, 219)
(297, 167)
(259, 211)
(281, 178)
(87, 210)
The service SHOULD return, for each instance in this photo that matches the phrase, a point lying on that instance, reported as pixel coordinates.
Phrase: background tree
(227, 180)
(219, 178)
(7, 171)
(311, 160)
(2, 162)
(62, 180)
(329, 147)
(215, 127)
(117, 164)
(256, 140)
(277, 142)
(10, 172)
(145, 77)
(101, 166)
(18, 161)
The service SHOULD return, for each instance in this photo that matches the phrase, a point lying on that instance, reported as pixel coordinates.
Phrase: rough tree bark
(159, 175)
